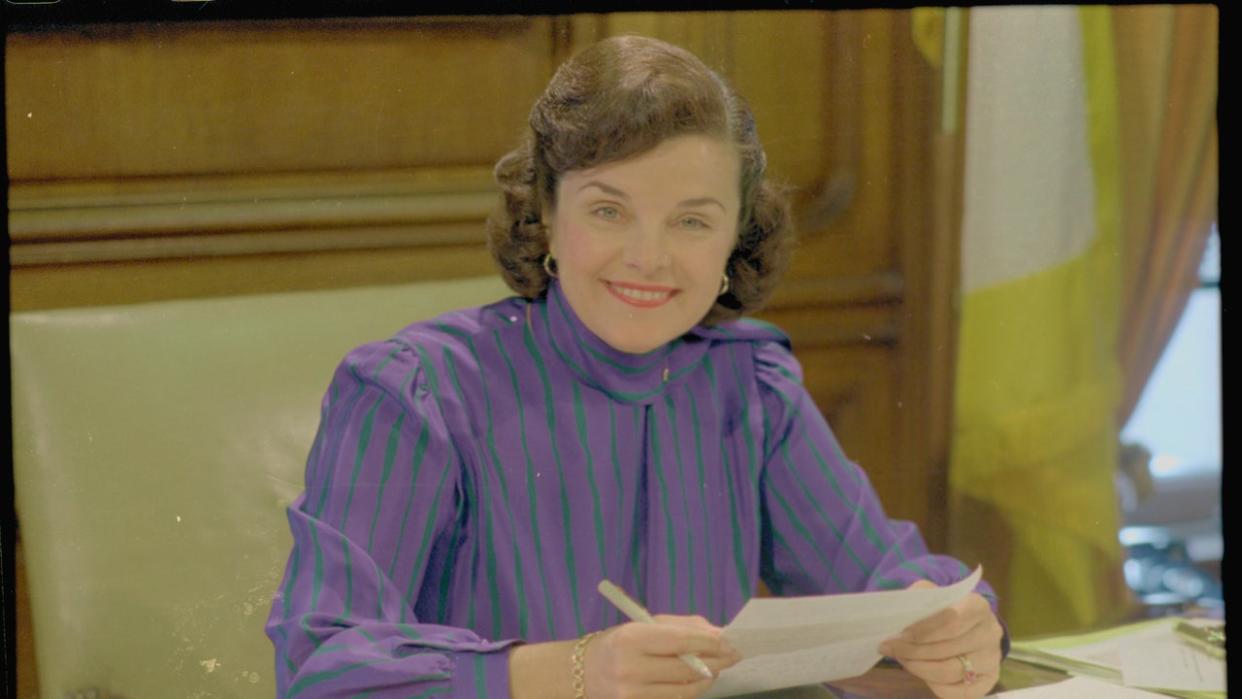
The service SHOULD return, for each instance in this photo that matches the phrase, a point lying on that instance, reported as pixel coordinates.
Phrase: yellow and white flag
(1037, 385)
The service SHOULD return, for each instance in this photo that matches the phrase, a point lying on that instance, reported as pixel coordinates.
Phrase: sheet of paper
(1107, 652)
(1168, 663)
(1079, 688)
(793, 641)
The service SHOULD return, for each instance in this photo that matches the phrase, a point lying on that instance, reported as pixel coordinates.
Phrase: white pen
(635, 612)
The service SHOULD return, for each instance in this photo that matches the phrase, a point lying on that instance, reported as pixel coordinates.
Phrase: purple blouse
(474, 477)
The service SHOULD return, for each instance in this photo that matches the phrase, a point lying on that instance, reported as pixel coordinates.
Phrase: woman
(477, 475)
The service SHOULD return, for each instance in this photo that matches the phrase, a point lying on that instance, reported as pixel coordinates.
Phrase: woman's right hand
(641, 660)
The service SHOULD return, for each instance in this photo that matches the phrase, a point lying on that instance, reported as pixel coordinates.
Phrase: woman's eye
(608, 213)
(693, 222)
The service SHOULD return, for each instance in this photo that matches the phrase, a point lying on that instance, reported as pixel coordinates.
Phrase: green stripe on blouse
(636, 413)
(390, 455)
(323, 676)
(531, 493)
(432, 692)
(779, 540)
(428, 528)
(379, 593)
(841, 538)
(675, 438)
(868, 529)
(707, 528)
(585, 442)
(802, 532)
(349, 580)
(658, 467)
(480, 678)
(566, 519)
(739, 555)
(489, 536)
(523, 611)
(364, 439)
(420, 452)
(345, 416)
(748, 438)
(446, 574)
(364, 443)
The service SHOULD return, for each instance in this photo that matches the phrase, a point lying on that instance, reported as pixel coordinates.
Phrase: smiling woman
(641, 244)
(653, 115)
(477, 475)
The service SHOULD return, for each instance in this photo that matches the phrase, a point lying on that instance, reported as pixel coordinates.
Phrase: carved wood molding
(880, 288)
(97, 221)
(884, 333)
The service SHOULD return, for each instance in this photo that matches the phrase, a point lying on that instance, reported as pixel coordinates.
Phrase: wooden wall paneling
(829, 152)
(289, 170)
(67, 237)
(203, 206)
(245, 97)
(864, 229)
(708, 35)
(871, 325)
(780, 66)
(928, 170)
(138, 281)
(921, 420)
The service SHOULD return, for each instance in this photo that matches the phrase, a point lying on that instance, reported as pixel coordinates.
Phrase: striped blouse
(474, 477)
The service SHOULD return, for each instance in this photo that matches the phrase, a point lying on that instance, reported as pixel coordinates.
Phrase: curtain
(1038, 380)
(1166, 58)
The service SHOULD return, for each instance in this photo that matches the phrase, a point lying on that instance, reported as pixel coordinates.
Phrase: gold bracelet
(578, 664)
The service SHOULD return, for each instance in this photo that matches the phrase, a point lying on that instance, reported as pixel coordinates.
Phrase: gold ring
(968, 670)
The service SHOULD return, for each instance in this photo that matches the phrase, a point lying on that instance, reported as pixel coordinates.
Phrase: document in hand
(793, 641)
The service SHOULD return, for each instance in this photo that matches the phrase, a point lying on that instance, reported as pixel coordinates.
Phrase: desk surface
(887, 682)
(884, 682)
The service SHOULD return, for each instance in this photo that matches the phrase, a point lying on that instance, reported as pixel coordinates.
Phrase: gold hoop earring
(547, 265)
(724, 286)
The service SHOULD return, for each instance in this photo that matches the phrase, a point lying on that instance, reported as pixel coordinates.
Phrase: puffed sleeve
(382, 495)
(825, 529)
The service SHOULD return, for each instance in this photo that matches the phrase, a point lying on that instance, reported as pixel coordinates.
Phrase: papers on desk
(1145, 655)
(1169, 663)
(1079, 688)
(793, 641)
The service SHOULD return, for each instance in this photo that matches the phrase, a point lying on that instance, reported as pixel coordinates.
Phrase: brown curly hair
(622, 97)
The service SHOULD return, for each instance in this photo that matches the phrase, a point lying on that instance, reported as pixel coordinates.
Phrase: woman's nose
(646, 251)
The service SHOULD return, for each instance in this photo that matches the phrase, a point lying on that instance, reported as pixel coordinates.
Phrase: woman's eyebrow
(606, 189)
(701, 201)
(685, 203)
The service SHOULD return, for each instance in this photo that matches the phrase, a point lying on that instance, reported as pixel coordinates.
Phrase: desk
(888, 682)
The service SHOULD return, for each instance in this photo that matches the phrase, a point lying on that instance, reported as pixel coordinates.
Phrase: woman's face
(641, 244)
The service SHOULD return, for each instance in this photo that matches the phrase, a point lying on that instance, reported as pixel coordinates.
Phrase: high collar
(630, 378)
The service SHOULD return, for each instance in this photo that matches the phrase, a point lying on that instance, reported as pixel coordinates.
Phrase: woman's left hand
(957, 651)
